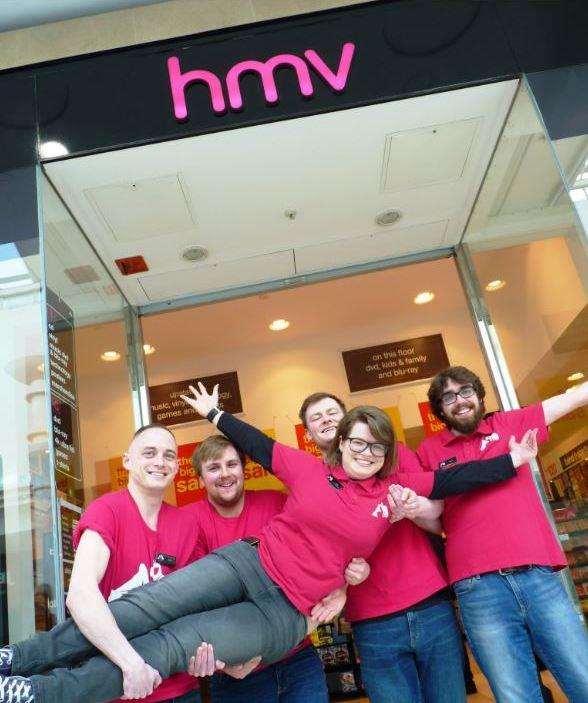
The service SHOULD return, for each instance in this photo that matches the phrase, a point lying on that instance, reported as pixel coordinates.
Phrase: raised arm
(560, 405)
(477, 474)
(252, 441)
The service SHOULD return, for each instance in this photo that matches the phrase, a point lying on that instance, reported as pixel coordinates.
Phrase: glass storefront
(528, 250)
(92, 412)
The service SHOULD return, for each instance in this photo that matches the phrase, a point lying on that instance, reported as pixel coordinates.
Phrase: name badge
(448, 462)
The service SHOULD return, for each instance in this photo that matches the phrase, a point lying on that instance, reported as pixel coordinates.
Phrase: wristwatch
(212, 414)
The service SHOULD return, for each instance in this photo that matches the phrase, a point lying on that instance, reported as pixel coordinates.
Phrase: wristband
(212, 414)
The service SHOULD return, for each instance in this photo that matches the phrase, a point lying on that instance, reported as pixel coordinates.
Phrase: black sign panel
(575, 456)
(62, 382)
(395, 362)
(70, 515)
(167, 408)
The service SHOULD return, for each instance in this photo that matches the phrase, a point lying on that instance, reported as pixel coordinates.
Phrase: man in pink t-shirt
(126, 539)
(502, 551)
(230, 513)
(403, 621)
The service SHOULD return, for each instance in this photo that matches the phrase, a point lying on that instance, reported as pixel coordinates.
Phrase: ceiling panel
(299, 185)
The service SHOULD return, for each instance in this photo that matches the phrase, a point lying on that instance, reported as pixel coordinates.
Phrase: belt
(253, 541)
(516, 569)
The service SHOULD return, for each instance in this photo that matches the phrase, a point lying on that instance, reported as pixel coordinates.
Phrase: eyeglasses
(359, 445)
(449, 397)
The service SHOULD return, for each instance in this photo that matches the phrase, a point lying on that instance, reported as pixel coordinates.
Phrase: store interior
(335, 223)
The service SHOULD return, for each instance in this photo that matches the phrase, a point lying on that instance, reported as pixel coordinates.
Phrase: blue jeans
(416, 657)
(507, 617)
(297, 679)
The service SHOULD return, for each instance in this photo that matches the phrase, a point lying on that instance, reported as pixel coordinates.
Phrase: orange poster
(304, 441)
(431, 424)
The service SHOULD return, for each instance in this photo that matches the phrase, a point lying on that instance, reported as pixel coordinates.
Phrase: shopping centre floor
(484, 694)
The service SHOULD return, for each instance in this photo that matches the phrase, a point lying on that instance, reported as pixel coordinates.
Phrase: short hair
(380, 426)
(458, 374)
(315, 398)
(213, 448)
(153, 426)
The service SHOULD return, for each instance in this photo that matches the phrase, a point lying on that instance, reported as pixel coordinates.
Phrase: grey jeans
(226, 599)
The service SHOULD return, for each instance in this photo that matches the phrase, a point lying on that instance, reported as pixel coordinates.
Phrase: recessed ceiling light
(195, 252)
(279, 325)
(424, 297)
(148, 349)
(52, 150)
(497, 284)
(41, 368)
(576, 376)
(388, 217)
(110, 356)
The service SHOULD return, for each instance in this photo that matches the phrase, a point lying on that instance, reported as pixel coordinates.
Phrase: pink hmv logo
(265, 69)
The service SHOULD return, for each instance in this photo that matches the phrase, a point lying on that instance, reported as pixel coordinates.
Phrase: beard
(466, 425)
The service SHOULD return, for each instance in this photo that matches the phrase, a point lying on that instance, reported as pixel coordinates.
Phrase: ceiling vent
(82, 274)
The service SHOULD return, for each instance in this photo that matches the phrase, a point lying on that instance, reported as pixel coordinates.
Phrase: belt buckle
(515, 569)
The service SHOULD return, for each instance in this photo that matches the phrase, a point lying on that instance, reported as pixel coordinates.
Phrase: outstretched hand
(522, 452)
(202, 401)
(330, 606)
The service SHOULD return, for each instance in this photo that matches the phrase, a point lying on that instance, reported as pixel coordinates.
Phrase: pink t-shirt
(404, 567)
(499, 526)
(133, 547)
(306, 548)
(216, 531)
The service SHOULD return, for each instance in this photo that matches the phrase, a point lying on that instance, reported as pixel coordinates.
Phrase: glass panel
(528, 253)
(28, 584)
(276, 370)
(90, 393)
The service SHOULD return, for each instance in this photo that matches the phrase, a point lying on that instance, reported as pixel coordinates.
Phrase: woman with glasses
(260, 595)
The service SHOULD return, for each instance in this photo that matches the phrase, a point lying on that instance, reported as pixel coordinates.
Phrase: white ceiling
(16, 14)
(229, 191)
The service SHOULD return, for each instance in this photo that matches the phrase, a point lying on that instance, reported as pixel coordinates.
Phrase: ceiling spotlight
(195, 252)
(110, 356)
(495, 285)
(424, 297)
(148, 349)
(52, 150)
(576, 376)
(41, 368)
(279, 325)
(388, 217)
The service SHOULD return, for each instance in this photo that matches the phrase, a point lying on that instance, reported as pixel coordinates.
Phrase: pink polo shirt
(324, 524)
(404, 567)
(499, 526)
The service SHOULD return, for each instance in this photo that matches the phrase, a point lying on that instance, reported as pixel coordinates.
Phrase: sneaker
(16, 689)
(5, 661)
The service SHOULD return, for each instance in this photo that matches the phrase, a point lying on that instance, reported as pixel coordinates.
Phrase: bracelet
(212, 414)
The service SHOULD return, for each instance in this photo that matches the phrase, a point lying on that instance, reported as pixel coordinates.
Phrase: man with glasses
(502, 552)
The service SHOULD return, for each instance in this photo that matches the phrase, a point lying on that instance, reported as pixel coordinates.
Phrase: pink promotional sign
(179, 81)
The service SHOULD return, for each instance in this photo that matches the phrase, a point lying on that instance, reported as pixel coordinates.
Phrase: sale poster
(431, 424)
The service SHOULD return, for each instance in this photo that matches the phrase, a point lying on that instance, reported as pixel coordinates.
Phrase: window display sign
(395, 362)
(62, 382)
(69, 516)
(167, 407)
(431, 424)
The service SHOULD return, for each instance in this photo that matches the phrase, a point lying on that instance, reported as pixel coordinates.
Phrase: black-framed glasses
(359, 445)
(449, 397)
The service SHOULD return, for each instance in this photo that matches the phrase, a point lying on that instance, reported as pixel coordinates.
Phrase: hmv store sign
(226, 92)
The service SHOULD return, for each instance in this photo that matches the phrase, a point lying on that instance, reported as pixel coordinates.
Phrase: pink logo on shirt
(381, 510)
(494, 437)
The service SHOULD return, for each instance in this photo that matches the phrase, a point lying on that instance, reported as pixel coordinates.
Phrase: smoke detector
(196, 252)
